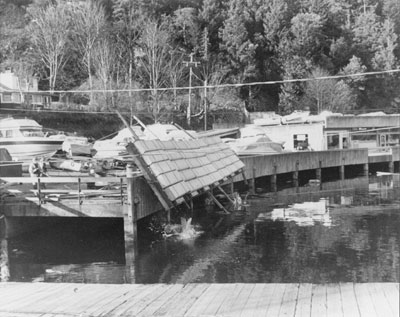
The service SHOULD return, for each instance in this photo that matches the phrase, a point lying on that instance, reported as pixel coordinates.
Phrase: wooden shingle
(188, 166)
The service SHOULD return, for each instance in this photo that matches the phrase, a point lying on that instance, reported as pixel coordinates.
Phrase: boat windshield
(32, 133)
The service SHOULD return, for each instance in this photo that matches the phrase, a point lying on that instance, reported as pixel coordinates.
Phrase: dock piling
(365, 169)
(274, 179)
(391, 166)
(130, 210)
(295, 176)
(318, 171)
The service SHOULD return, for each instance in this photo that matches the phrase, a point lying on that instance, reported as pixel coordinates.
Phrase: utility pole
(205, 104)
(190, 64)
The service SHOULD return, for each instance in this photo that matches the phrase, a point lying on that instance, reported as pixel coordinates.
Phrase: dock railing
(59, 188)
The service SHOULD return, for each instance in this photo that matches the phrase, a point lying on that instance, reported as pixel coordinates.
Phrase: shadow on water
(65, 249)
(339, 231)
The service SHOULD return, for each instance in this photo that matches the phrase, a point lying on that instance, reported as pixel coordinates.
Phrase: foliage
(66, 44)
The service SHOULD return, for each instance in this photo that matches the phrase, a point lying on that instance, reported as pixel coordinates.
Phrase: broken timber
(185, 168)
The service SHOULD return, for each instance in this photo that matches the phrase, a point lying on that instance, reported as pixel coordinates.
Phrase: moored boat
(25, 138)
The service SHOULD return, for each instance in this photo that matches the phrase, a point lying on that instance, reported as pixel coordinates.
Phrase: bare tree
(153, 60)
(106, 69)
(50, 37)
(127, 27)
(89, 22)
(324, 93)
(176, 71)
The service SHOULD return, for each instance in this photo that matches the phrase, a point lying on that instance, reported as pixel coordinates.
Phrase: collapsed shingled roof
(188, 166)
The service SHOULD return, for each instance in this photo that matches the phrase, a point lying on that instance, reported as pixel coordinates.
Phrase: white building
(15, 92)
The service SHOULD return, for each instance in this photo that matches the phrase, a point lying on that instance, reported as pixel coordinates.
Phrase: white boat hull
(24, 149)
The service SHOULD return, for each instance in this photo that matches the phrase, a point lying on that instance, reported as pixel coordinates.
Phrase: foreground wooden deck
(55, 300)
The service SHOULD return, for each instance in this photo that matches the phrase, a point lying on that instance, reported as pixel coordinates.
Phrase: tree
(356, 83)
(185, 28)
(50, 37)
(89, 22)
(324, 93)
(106, 69)
(128, 19)
(236, 42)
(155, 50)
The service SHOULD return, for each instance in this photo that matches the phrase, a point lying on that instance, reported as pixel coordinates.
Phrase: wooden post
(295, 176)
(38, 190)
(130, 210)
(341, 172)
(252, 182)
(4, 262)
(391, 166)
(318, 172)
(231, 186)
(79, 191)
(366, 169)
(273, 179)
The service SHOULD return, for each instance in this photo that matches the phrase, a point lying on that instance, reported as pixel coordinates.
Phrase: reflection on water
(303, 214)
(341, 231)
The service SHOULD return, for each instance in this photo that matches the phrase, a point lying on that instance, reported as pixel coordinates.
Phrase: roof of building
(4, 87)
(188, 166)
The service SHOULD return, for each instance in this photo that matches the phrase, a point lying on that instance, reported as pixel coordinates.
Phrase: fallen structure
(177, 171)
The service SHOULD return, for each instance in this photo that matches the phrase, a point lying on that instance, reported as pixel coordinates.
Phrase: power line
(392, 71)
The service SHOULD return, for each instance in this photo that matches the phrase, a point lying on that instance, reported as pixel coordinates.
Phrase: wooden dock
(84, 300)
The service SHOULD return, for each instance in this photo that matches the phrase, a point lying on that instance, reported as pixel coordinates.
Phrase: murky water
(343, 231)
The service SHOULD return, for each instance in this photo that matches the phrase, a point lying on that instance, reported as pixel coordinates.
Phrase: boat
(253, 141)
(116, 147)
(25, 138)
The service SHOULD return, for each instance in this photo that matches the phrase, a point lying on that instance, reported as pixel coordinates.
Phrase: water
(343, 231)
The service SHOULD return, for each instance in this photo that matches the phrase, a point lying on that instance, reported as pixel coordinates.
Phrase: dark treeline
(99, 46)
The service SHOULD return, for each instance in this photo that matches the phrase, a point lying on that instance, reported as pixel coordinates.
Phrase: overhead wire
(391, 71)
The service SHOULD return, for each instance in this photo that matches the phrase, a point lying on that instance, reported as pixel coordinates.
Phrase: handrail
(64, 180)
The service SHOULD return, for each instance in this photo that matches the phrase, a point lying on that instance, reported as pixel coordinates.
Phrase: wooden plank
(20, 298)
(211, 300)
(133, 307)
(107, 304)
(275, 303)
(57, 298)
(318, 300)
(69, 301)
(73, 304)
(47, 299)
(11, 291)
(254, 298)
(349, 301)
(263, 293)
(239, 307)
(289, 300)
(303, 307)
(184, 296)
(334, 300)
(37, 298)
(192, 293)
(379, 300)
(64, 180)
(161, 300)
(233, 291)
(391, 291)
(364, 300)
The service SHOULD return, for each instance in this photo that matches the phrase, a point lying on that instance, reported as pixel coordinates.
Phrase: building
(17, 93)
(373, 131)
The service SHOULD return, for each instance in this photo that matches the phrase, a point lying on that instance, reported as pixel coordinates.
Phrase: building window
(7, 97)
(37, 99)
(300, 141)
(16, 97)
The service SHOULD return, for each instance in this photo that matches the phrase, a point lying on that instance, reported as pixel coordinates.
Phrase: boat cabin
(15, 128)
